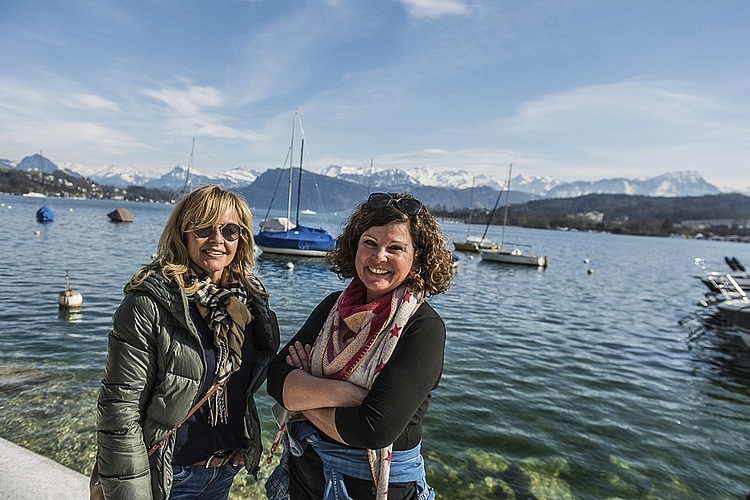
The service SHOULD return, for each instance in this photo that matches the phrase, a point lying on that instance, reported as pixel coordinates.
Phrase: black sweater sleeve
(278, 369)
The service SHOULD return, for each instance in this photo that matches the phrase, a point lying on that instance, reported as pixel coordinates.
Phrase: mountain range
(448, 188)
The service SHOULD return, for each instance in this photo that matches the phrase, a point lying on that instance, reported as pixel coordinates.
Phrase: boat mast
(299, 179)
(189, 170)
(291, 168)
(507, 200)
(369, 183)
(41, 173)
(471, 207)
(492, 214)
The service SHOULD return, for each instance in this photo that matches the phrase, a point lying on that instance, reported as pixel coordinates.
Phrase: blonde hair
(200, 208)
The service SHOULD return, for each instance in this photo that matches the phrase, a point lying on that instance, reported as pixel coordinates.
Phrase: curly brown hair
(431, 271)
(200, 208)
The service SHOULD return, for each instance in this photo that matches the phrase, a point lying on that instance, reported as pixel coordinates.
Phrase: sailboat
(188, 179)
(44, 214)
(474, 243)
(280, 236)
(514, 255)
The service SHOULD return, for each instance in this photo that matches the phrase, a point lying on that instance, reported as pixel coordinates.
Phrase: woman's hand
(299, 356)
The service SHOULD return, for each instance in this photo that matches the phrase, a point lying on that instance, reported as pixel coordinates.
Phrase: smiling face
(213, 253)
(385, 255)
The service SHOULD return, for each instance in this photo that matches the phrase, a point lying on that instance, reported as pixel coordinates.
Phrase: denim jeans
(196, 482)
(338, 461)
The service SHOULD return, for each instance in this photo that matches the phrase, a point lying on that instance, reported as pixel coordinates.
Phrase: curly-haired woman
(356, 379)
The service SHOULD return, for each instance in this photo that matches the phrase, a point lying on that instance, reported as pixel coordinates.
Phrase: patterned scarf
(357, 341)
(225, 312)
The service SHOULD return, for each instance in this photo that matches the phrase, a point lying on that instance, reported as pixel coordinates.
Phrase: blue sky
(575, 89)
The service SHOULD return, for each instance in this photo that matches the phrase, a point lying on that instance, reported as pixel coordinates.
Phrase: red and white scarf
(357, 341)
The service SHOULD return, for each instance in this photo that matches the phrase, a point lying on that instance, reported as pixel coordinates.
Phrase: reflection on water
(557, 383)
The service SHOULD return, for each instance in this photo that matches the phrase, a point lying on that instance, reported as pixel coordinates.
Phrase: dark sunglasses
(229, 231)
(409, 206)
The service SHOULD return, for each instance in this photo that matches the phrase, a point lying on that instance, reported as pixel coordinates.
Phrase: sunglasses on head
(229, 231)
(409, 206)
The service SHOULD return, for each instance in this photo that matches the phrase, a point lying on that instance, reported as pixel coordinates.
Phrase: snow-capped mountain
(418, 176)
(174, 180)
(687, 183)
(670, 185)
(107, 175)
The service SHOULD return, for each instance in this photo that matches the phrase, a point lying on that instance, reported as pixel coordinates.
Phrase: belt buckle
(218, 459)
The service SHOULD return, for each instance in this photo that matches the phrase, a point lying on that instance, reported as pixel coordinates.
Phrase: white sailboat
(474, 243)
(514, 254)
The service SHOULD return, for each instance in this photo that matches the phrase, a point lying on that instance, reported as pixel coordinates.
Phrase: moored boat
(475, 243)
(45, 214)
(514, 256)
(737, 312)
(120, 215)
(280, 236)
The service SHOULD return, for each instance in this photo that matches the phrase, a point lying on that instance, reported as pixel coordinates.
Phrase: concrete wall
(24, 475)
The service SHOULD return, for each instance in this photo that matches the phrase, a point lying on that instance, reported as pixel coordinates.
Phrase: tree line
(711, 215)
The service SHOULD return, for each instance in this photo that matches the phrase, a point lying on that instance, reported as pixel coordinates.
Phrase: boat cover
(44, 214)
(120, 215)
(299, 238)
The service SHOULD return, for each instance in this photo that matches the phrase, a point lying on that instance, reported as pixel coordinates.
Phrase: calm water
(558, 383)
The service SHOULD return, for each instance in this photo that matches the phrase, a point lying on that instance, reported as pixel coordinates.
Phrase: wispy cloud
(91, 102)
(432, 9)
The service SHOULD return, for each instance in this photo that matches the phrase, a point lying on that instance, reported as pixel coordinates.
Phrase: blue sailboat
(280, 236)
(45, 214)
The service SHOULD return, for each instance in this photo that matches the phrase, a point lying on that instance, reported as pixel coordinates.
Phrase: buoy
(591, 271)
(289, 266)
(69, 299)
(70, 209)
(586, 260)
(37, 232)
(153, 256)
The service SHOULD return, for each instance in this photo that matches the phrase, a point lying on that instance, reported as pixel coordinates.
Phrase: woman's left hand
(299, 356)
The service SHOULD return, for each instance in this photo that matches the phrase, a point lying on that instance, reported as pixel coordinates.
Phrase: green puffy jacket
(154, 371)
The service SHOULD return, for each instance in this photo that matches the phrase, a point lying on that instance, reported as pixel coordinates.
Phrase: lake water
(558, 383)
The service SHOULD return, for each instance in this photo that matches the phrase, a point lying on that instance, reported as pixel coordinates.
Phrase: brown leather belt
(218, 459)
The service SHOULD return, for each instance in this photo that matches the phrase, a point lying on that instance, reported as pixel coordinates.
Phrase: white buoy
(586, 260)
(289, 266)
(37, 232)
(69, 299)
(591, 271)
(70, 209)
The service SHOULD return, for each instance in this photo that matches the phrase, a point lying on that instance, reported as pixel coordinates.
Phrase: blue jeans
(196, 482)
(338, 461)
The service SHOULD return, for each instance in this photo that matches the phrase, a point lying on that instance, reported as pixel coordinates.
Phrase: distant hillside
(620, 206)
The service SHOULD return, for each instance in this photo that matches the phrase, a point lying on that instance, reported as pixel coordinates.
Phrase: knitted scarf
(356, 342)
(225, 312)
